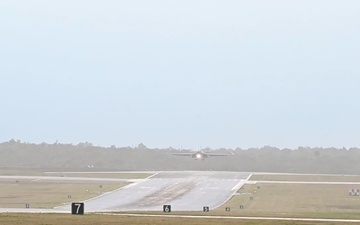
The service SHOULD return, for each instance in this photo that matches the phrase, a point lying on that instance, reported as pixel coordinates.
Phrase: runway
(184, 191)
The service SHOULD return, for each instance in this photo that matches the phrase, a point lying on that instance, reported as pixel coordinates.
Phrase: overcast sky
(186, 73)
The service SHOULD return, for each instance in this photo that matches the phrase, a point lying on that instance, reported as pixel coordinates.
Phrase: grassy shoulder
(88, 174)
(18, 193)
(305, 178)
(49, 195)
(116, 175)
(95, 219)
(294, 200)
(4, 172)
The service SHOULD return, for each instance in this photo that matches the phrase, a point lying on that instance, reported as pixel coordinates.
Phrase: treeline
(86, 157)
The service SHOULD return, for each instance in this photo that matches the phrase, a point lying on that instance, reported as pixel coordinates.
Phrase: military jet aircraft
(199, 155)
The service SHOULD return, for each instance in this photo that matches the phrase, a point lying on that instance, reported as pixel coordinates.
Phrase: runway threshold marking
(235, 217)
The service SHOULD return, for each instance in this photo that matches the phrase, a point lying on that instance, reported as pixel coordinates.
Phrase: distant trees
(85, 144)
(15, 154)
(141, 146)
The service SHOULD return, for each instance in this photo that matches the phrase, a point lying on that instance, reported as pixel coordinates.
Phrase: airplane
(199, 155)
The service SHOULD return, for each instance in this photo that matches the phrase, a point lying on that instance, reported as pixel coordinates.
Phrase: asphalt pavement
(184, 191)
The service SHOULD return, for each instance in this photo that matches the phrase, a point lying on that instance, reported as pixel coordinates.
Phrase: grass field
(294, 200)
(48, 195)
(4, 172)
(93, 219)
(103, 175)
(119, 175)
(307, 178)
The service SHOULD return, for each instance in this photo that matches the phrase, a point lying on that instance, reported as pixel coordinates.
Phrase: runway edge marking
(109, 192)
(238, 186)
(124, 187)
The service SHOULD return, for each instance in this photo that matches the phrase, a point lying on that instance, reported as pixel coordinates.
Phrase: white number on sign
(78, 205)
(167, 208)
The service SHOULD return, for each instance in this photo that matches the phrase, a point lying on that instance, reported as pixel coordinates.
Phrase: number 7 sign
(77, 208)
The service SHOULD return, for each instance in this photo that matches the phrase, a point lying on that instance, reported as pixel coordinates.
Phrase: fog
(185, 74)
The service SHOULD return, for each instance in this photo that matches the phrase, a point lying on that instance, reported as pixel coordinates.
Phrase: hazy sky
(190, 73)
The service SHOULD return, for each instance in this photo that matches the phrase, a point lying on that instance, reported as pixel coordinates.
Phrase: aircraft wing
(183, 154)
(210, 154)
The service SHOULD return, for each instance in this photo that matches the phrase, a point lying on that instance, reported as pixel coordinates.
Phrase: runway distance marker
(206, 209)
(77, 208)
(167, 208)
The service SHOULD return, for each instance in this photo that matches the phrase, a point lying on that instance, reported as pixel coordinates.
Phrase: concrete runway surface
(184, 191)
